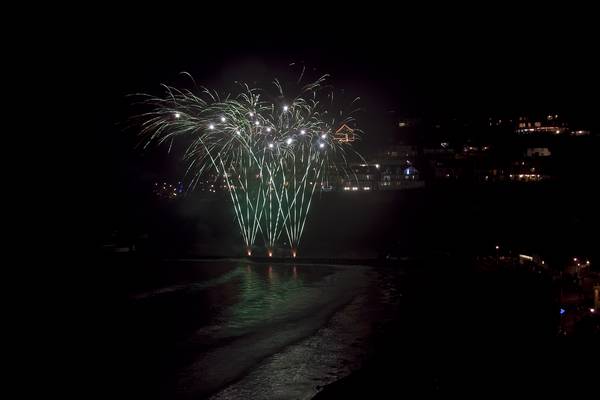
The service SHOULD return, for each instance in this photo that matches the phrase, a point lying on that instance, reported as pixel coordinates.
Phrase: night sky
(460, 69)
(499, 64)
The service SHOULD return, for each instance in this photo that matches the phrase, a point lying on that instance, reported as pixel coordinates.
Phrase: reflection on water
(255, 322)
(264, 295)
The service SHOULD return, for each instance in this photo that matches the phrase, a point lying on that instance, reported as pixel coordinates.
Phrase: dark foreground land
(452, 329)
(458, 329)
(469, 332)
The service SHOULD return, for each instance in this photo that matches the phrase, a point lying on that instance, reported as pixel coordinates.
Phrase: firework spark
(273, 151)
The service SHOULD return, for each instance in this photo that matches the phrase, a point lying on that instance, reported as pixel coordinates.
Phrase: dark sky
(443, 66)
(434, 64)
(455, 69)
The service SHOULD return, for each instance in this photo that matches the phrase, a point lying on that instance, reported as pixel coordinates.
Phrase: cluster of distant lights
(579, 262)
(540, 130)
(212, 188)
(575, 260)
(166, 189)
(368, 165)
(289, 141)
(526, 176)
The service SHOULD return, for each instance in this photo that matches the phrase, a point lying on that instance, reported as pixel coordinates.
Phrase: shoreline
(325, 261)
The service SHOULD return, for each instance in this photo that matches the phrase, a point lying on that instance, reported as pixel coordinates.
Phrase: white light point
(177, 115)
(211, 126)
(285, 108)
(289, 141)
(222, 119)
(321, 145)
(271, 145)
(303, 132)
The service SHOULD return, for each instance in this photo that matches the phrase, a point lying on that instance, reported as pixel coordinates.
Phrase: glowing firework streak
(273, 155)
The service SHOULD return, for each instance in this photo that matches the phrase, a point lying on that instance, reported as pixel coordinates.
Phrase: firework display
(272, 150)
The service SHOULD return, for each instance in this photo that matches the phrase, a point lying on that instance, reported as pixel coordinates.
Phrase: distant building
(526, 171)
(444, 150)
(395, 177)
(551, 124)
(398, 154)
(490, 174)
(470, 150)
(372, 177)
(495, 122)
(360, 177)
(448, 169)
(538, 152)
